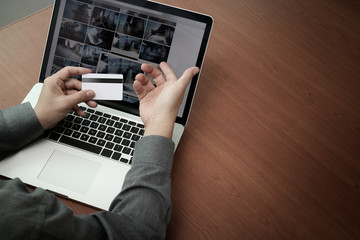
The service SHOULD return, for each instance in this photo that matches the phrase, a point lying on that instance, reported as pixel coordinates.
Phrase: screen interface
(114, 37)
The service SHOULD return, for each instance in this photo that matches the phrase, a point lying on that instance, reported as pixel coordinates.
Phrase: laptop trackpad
(69, 171)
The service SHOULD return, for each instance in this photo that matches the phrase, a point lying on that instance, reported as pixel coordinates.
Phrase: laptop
(86, 158)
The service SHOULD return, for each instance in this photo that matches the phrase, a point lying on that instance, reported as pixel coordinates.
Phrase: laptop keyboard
(101, 133)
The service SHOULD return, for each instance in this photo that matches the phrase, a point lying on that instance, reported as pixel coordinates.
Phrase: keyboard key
(117, 140)
(110, 122)
(126, 127)
(70, 118)
(140, 125)
(123, 120)
(77, 120)
(124, 160)
(84, 137)
(109, 137)
(80, 144)
(115, 118)
(94, 125)
(102, 127)
(94, 117)
(125, 142)
(132, 123)
(102, 120)
(54, 136)
(118, 125)
(76, 127)
(127, 135)
(118, 148)
(59, 129)
(67, 124)
(126, 150)
(100, 134)
(98, 113)
(119, 133)
(106, 153)
(90, 110)
(101, 142)
(116, 156)
(110, 130)
(92, 132)
(109, 145)
(76, 134)
(135, 137)
(86, 122)
(134, 130)
(107, 115)
(84, 129)
(93, 140)
(68, 132)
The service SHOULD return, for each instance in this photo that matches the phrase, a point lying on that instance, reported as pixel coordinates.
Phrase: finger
(79, 111)
(168, 72)
(68, 71)
(148, 68)
(52, 82)
(71, 91)
(154, 73)
(187, 76)
(73, 84)
(139, 89)
(145, 81)
(91, 103)
(80, 96)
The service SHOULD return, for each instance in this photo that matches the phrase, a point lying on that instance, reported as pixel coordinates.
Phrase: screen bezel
(133, 108)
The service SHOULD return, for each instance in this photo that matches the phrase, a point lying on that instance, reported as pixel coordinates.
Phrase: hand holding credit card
(105, 86)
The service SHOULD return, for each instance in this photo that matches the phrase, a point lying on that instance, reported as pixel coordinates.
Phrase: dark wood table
(272, 148)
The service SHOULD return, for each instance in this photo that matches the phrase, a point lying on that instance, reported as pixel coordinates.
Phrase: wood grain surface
(272, 148)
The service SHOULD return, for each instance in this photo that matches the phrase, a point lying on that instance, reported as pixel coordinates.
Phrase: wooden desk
(272, 149)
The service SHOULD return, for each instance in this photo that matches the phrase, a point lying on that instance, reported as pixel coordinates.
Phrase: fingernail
(196, 71)
(90, 94)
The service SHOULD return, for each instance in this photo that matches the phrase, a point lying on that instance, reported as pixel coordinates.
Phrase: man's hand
(60, 94)
(159, 105)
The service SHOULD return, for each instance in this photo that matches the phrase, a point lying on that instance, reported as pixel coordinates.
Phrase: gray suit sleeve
(18, 127)
(141, 211)
(146, 193)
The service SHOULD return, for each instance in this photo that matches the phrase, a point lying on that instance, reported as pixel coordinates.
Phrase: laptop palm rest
(69, 171)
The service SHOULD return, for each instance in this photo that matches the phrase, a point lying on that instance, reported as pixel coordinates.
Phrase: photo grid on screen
(109, 39)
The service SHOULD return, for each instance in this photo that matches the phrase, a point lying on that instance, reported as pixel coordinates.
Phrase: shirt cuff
(21, 124)
(154, 150)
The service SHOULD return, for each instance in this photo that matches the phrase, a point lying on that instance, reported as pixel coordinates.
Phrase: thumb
(187, 76)
(81, 96)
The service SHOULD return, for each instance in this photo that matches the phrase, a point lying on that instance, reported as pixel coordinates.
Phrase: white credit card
(105, 86)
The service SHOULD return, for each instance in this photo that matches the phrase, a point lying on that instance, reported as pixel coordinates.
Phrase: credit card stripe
(102, 80)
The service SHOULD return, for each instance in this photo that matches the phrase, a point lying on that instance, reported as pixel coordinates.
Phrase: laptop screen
(110, 36)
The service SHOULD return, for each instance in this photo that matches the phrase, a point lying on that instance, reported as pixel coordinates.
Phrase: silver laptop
(86, 158)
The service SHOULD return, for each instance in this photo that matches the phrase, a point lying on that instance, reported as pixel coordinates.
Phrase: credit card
(105, 86)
